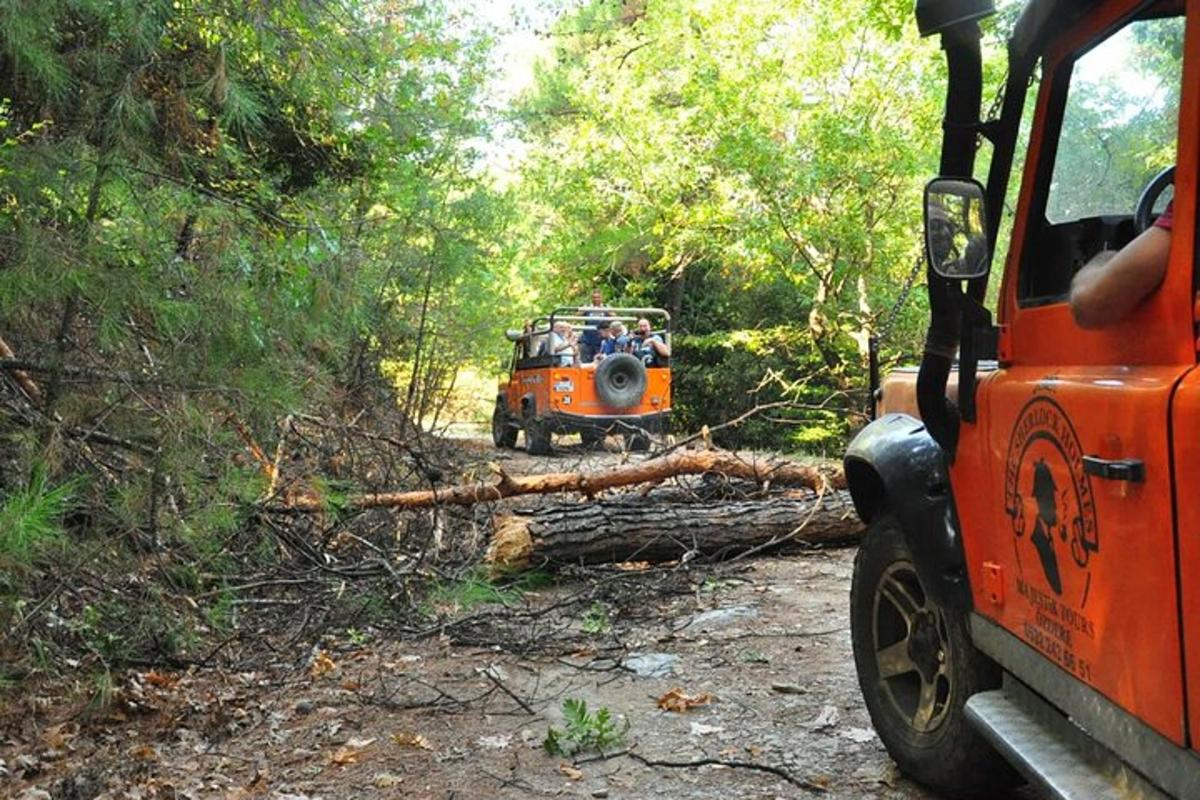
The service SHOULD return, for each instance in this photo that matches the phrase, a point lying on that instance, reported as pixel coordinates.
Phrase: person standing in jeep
(590, 339)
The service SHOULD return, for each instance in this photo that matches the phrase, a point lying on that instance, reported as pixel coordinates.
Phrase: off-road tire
(620, 380)
(537, 438)
(503, 434)
(929, 646)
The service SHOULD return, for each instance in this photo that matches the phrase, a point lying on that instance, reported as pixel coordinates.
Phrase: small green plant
(32, 516)
(477, 587)
(584, 730)
(596, 621)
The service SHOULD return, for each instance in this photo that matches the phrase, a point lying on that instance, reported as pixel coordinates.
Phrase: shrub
(719, 376)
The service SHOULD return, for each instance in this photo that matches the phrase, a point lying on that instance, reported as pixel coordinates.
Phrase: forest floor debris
(752, 656)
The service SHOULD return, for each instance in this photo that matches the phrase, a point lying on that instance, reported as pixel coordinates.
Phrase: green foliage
(478, 587)
(721, 376)
(596, 620)
(31, 516)
(760, 177)
(584, 730)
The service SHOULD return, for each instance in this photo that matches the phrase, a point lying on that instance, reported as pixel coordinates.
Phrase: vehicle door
(1072, 545)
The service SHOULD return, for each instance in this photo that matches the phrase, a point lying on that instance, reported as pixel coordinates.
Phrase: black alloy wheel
(916, 668)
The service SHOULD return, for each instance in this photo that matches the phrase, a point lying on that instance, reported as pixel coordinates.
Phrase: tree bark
(651, 471)
(633, 528)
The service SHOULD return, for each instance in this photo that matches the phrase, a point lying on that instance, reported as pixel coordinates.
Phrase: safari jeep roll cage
(1026, 594)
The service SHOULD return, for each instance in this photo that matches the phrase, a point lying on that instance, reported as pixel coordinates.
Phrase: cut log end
(511, 547)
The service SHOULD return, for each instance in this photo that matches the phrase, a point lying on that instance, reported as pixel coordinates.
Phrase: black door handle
(1115, 469)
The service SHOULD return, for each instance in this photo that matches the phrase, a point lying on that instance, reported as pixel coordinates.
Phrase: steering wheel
(1143, 216)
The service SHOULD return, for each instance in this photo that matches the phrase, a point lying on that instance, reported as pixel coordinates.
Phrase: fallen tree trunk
(643, 529)
(651, 471)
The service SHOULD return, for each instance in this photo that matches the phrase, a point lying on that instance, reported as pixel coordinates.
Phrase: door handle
(1115, 469)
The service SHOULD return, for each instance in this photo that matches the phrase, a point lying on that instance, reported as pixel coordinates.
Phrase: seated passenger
(618, 339)
(1112, 284)
(605, 348)
(649, 346)
(528, 345)
(563, 344)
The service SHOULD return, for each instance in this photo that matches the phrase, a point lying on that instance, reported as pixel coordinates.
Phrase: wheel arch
(894, 466)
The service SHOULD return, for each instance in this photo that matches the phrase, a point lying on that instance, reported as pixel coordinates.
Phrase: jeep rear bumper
(656, 423)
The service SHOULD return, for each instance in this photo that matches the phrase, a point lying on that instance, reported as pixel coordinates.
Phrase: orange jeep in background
(548, 393)
(1028, 591)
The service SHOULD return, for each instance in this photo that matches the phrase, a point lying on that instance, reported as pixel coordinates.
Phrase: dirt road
(764, 643)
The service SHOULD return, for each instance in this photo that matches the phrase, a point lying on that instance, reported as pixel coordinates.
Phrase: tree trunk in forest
(651, 471)
(633, 528)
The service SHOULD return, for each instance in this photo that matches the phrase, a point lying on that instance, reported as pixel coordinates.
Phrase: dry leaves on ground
(322, 665)
(414, 740)
(679, 701)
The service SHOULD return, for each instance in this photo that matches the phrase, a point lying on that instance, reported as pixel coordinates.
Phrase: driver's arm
(1112, 284)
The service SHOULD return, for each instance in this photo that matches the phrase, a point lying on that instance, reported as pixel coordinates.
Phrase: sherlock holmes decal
(1049, 500)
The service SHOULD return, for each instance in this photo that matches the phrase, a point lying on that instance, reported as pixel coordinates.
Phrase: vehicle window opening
(1111, 126)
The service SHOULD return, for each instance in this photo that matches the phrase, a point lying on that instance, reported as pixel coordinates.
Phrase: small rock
(651, 665)
(386, 780)
(497, 742)
(828, 718)
(788, 688)
(859, 735)
(722, 617)
(700, 729)
(33, 793)
(305, 707)
(600, 793)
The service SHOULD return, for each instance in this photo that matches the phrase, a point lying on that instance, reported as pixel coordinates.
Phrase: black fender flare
(894, 466)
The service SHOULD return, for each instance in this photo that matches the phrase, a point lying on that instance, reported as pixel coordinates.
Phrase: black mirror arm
(975, 318)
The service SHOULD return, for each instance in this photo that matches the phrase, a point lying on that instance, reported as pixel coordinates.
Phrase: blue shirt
(591, 336)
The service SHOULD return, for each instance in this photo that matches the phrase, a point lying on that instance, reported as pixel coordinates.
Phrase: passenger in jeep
(563, 344)
(1113, 283)
(649, 346)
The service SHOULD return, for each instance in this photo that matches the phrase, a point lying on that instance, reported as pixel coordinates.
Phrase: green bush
(720, 376)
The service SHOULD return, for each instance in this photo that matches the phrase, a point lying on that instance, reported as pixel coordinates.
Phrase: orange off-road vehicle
(550, 391)
(1028, 592)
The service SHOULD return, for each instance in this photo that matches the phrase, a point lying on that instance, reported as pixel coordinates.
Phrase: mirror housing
(956, 241)
(936, 16)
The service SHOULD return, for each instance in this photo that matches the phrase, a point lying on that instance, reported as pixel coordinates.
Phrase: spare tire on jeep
(621, 380)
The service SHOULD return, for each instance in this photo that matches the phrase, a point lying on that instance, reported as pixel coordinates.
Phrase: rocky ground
(722, 681)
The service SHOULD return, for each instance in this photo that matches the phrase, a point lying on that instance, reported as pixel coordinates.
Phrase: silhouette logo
(1048, 498)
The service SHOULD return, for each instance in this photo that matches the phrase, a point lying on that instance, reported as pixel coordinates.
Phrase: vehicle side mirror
(956, 242)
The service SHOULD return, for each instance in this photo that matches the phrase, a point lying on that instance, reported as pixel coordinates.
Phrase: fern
(584, 730)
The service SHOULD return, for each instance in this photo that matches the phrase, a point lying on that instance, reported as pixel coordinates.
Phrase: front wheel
(503, 434)
(916, 668)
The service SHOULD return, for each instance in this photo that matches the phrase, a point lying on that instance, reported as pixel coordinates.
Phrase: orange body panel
(572, 390)
(1084, 568)
(1087, 564)
(1186, 417)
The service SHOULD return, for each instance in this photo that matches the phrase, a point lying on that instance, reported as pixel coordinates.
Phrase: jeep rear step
(1055, 756)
